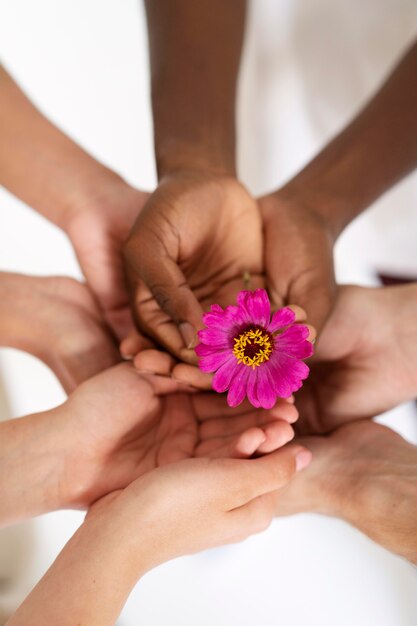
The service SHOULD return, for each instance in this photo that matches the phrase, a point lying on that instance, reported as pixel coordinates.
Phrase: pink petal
(266, 388)
(237, 391)
(252, 386)
(257, 306)
(293, 341)
(223, 376)
(294, 334)
(215, 320)
(203, 350)
(227, 321)
(210, 362)
(281, 375)
(282, 318)
(214, 337)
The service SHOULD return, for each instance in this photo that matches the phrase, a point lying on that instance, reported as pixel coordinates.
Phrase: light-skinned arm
(114, 428)
(94, 206)
(190, 506)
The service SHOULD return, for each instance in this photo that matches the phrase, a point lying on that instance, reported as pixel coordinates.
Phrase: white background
(308, 65)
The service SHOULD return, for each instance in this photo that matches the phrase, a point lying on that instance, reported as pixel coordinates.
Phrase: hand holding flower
(253, 353)
(190, 246)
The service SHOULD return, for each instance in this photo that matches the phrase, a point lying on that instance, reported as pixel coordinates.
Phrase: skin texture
(207, 503)
(116, 427)
(381, 141)
(92, 204)
(191, 246)
(298, 257)
(200, 221)
(79, 343)
(366, 474)
(365, 362)
(98, 228)
(303, 219)
(300, 221)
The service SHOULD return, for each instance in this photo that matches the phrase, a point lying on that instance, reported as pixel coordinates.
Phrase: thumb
(316, 294)
(164, 304)
(268, 473)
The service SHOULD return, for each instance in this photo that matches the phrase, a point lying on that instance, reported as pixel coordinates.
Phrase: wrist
(95, 192)
(119, 522)
(31, 467)
(330, 209)
(178, 155)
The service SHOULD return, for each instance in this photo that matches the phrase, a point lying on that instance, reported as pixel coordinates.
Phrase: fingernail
(302, 459)
(188, 334)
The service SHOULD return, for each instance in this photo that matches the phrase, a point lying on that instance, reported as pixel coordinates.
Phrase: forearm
(31, 463)
(195, 50)
(38, 163)
(87, 584)
(368, 157)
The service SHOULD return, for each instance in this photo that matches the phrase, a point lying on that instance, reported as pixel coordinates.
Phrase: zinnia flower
(253, 354)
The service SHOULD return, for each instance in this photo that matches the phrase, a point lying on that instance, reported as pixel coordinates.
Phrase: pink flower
(253, 354)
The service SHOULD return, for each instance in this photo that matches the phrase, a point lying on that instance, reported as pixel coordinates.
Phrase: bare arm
(369, 156)
(181, 509)
(195, 50)
(38, 163)
(303, 219)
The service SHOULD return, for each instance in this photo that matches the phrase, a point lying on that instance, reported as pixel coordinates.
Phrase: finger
(233, 425)
(255, 477)
(176, 329)
(261, 439)
(255, 516)
(300, 313)
(317, 296)
(192, 375)
(277, 434)
(301, 318)
(154, 361)
(131, 345)
(164, 385)
(211, 405)
(240, 446)
(312, 333)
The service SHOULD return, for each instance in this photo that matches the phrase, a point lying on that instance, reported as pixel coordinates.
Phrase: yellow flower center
(253, 347)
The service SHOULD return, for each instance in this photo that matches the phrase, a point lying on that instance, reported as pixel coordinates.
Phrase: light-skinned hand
(365, 474)
(58, 320)
(365, 360)
(116, 427)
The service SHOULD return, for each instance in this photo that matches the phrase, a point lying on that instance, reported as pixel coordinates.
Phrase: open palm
(127, 425)
(366, 361)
